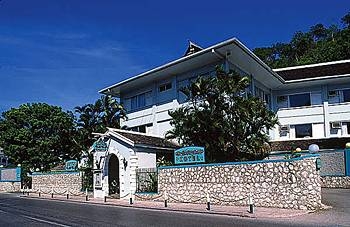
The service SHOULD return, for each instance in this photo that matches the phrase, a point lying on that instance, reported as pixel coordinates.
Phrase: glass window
(133, 102)
(282, 101)
(303, 131)
(165, 87)
(141, 128)
(346, 95)
(259, 93)
(138, 101)
(348, 127)
(299, 100)
(142, 100)
(181, 85)
(333, 96)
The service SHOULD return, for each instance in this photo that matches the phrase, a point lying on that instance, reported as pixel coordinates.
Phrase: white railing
(339, 112)
(301, 115)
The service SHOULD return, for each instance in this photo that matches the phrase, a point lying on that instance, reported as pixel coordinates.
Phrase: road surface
(15, 211)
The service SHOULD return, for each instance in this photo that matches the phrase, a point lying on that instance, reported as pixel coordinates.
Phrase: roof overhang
(114, 133)
(233, 50)
(316, 81)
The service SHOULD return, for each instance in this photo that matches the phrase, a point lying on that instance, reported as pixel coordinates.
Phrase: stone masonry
(58, 183)
(10, 186)
(293, 183)
(333, 163)
(335, 181)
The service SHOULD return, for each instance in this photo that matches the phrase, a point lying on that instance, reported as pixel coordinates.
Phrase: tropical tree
(224, 118)
(105, 112)
(318, 32)
(38, 136)
(319, 44)
(96, 117)
(346, 20)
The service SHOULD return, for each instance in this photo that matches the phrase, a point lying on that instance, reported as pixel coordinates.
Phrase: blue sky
(63, 51)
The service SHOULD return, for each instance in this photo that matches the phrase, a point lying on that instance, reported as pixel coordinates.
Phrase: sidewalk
(240, 211)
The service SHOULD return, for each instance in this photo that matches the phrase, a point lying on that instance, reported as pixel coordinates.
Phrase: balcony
(301, 115)
(339, 112)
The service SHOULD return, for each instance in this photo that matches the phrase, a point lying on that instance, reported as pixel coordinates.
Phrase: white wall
(318, 130)
(146, 160)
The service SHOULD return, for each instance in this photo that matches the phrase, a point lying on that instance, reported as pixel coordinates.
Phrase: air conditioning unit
(284, 128)
(333, 93)
(336, 125)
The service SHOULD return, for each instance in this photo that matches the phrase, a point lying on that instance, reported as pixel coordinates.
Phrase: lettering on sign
(100, 146)
(11, 174)
(71, 165)
(188, 155)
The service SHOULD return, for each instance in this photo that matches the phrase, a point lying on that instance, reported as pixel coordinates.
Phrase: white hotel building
(311, 101)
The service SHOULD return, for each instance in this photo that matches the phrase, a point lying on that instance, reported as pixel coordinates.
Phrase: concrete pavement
(337, 214)
(240, 211)
(17, 211)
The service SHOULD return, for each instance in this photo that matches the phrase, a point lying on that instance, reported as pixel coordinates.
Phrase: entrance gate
(113, 175)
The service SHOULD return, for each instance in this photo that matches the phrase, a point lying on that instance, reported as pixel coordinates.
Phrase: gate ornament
(188, 155)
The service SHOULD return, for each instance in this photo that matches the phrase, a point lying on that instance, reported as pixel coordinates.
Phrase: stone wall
(333, 163)
(10, 186)
(59, 182)
(291, 183)
(327, 143)
(335, 181)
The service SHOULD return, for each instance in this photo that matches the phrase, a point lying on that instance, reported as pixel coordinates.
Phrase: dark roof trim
(327, 70)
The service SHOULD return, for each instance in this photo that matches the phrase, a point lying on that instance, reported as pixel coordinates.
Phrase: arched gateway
(118, 154)
(113, 176)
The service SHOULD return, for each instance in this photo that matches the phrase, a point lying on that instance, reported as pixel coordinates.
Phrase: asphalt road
(15, 211)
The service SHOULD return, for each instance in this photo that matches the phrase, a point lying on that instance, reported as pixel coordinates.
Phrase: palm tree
(105, 112)
(112, 112)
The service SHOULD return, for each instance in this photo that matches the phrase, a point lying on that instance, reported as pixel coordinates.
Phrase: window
(165, 87)
(139, 101)
(282, 101)
(134, 102)
(141, 128)
(346, 95)
(267, 98)
(259, 93)
(303, 131)
(181, 85)
(333, 93)
(299, 100)
(347, 128)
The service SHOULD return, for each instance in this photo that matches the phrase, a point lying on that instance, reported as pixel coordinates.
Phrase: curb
(146, 208)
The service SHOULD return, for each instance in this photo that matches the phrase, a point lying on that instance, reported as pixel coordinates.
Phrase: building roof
(192, 48)
(232, 49)
(144, 140)
(313, 71)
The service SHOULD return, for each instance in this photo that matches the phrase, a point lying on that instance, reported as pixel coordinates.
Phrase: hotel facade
(311, 101)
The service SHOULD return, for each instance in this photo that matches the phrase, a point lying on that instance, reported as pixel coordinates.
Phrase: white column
(154, 120)
(326, 120)
(133, 166)
(121, 175)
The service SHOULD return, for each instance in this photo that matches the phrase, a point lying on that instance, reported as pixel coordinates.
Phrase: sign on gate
(100, 145)
(188, 155)
(71, 165)
(10, 175)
